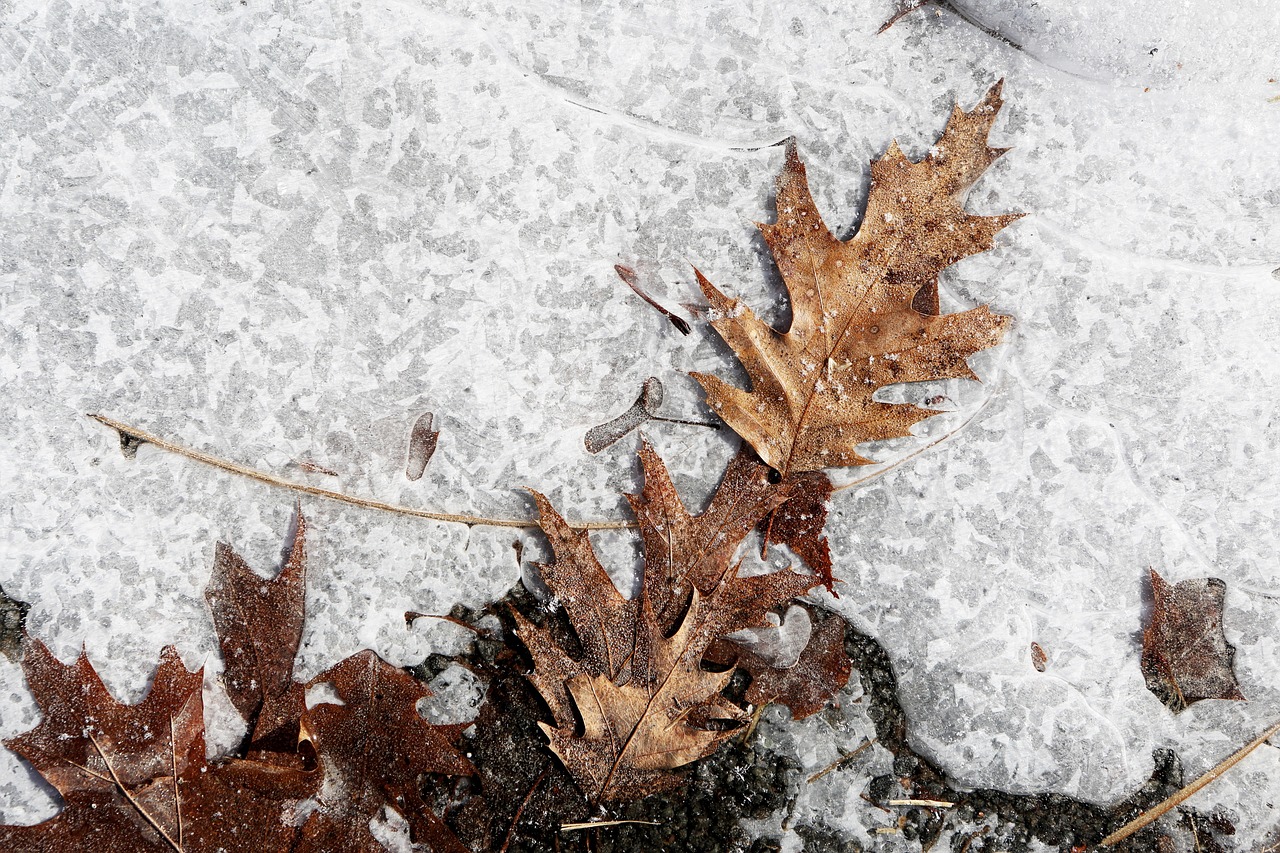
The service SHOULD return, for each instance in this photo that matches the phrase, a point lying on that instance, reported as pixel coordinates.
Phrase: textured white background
(282, 232)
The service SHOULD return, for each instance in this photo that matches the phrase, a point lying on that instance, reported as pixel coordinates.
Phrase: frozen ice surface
(280, 233)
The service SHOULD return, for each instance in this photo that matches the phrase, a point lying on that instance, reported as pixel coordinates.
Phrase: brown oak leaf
(646, 704)
(864, 312)
(1185, 655)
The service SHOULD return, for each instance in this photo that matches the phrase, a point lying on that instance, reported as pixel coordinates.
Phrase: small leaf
(1039, 659)
(422, 446)
(635, 703)
(1185, 655)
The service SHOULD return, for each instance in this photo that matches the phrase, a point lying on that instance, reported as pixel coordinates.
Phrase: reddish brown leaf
(822, 670)
(1185, 655)
(1039, 659)
(372, 749)
(684, 551)
(800, 521)
(134, 777)
(259, 626)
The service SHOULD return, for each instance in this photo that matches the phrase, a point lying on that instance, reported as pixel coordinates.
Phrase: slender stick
(755, 721)
(574, 827)
(272, 480)
(149, 819)
(1153, 814)
(686, 423)
(410, 616)
(905, 10)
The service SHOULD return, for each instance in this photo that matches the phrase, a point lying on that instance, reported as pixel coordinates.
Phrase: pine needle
(1153, 814)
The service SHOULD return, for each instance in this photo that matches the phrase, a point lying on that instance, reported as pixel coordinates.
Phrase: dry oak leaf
(134, 777)
(646, 704)
(372, 749)
(1185, 655)
(864, 312)
(259, 627)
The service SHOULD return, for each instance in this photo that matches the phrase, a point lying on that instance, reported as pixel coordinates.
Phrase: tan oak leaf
(864, 311)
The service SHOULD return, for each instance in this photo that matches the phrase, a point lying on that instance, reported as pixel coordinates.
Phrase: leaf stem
(506, 842)
(177, 798)
(134, 434)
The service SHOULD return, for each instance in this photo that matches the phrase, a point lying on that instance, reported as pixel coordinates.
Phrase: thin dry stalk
(755, 721)
(137, 435)
(901, 13)
(597, 824)
(1153, 814)
(932, 804)
(128, 796)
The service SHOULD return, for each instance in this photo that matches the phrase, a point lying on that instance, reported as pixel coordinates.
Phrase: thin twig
(866, 744)
(932, 804)
(706, 424)
(94, 773)
(506, 842)
(1153, 814)
(273, 480)
(149, 819)
(596, 824)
